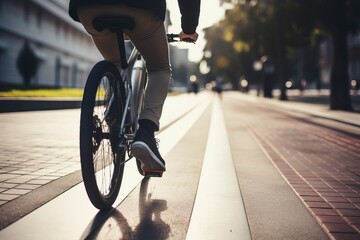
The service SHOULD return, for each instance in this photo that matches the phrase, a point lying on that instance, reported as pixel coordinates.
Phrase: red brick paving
(319, 163)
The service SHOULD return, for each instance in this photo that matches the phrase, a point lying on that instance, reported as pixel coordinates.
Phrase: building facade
(64, 50)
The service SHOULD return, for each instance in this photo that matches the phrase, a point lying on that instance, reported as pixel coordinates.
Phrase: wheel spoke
(101, 113)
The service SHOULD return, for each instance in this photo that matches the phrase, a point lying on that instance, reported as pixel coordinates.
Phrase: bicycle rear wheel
(101, 113)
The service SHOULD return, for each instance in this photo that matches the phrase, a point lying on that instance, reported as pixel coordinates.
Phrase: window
(65, 76)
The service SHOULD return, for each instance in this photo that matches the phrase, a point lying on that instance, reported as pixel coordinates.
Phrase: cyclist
(150, 39)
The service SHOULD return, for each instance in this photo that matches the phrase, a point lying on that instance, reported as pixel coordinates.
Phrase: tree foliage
(278, 29)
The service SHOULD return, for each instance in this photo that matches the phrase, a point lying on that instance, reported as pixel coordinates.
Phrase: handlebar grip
(171, 38)
(189, 40)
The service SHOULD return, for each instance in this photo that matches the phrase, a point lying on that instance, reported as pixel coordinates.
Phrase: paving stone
(336, 199)
(312, 199)
(318, 205)
(306, 193)
(354, 220)
(39, 181)
(331, 193)
(16, 191)
(346, 191)
(5, 176)
(28, 186)
(345, 236)
(331, 219)
(48, 177)
(17, 180)
(343, 205)
(339, 228)
(351, 195)
(324, 212)
(7, 185)
(349, 212)
(7, 197)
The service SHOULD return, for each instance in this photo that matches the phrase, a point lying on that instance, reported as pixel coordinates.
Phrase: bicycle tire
(101, 159)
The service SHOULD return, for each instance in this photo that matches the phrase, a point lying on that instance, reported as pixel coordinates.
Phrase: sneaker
(144, 148)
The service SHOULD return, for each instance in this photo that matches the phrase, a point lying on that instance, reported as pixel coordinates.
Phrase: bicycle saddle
(113, 23)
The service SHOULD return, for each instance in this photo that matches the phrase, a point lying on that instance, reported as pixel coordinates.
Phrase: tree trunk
(339, 82)
(280, 50)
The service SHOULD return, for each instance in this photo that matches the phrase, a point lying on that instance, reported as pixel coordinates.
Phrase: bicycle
(112, 101)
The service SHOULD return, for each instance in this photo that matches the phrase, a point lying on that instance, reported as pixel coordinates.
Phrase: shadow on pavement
(112, 224)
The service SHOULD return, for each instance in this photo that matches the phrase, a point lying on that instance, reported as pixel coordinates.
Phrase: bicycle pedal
(153, 173)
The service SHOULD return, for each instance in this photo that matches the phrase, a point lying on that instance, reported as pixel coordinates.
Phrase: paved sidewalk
(313, 103)
(41, 147)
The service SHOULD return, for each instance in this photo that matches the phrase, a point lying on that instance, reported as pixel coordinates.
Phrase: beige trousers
(149, 37)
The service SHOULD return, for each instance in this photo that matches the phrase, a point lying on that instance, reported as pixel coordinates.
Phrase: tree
(282, 26)
(27, 63)
(254, 28)
(338, 18)
(223, 60)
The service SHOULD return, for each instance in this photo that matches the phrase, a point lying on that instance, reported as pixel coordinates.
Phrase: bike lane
(70, 215)
(40, 154)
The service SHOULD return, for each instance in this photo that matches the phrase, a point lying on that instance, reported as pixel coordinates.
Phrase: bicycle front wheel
(102, 161)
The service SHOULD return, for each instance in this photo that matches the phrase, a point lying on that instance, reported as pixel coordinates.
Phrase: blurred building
(65, 51)
(181, 67)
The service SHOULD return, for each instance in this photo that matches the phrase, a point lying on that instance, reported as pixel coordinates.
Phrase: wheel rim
(104, 139)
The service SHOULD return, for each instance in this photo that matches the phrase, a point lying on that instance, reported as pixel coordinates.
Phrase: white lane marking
(70, 215)
(218, 210)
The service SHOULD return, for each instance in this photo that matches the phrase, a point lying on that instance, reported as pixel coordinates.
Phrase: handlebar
(171, 37)
(176, 38)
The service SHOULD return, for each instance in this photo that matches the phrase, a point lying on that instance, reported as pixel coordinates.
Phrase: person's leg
(154, 48)
(149, 37)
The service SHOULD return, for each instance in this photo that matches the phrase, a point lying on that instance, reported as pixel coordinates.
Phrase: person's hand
(188, 37)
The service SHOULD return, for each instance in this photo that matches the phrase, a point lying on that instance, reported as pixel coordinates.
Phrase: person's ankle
(149, 126)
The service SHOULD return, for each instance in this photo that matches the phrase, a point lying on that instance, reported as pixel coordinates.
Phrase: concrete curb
(26, 104)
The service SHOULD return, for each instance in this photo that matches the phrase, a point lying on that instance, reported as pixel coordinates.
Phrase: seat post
(122, 52)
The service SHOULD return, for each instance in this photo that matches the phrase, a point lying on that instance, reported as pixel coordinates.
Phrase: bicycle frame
(134, 82)
(104, 142)
(132, 72)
